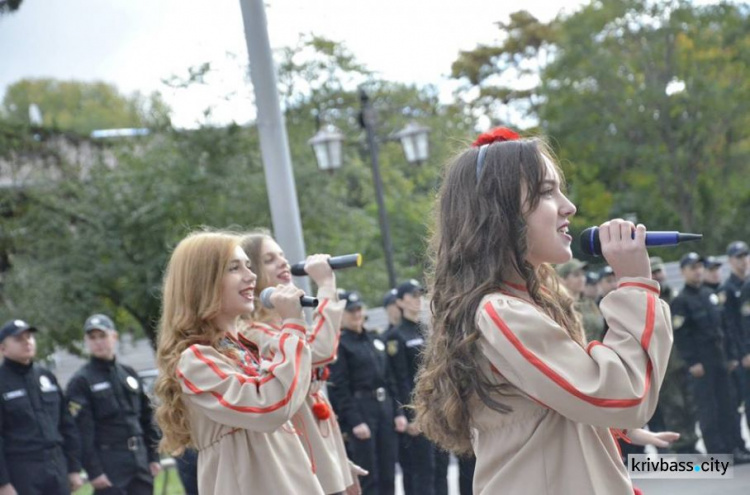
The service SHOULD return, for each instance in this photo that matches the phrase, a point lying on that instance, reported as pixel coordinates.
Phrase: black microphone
(590, 239)
(336, 262)
(305, 301)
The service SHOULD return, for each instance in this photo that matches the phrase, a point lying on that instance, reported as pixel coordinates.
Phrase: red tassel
(321, 411)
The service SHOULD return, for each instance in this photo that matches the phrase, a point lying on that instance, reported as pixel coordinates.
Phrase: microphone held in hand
(335, 262)
(590, 240)
(305, 301)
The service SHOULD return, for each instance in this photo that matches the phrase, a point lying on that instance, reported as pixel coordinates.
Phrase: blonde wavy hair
(252, 244)
(191, 300)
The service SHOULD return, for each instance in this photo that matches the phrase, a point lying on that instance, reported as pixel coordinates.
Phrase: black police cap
(14, 327)
(691, 259)
(737, 248)
(390, 297)
(352, 298)
(409, 287)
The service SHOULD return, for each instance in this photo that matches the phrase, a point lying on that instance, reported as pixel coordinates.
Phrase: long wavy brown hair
(479, 241)
(191, 300)
(252, 244)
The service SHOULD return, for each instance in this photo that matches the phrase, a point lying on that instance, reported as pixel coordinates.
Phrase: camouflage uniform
(591, 317)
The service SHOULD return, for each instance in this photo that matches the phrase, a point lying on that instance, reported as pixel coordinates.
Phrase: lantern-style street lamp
(415, 140)
(327, 144)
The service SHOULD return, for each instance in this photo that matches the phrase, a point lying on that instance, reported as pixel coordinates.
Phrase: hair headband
(485, 139)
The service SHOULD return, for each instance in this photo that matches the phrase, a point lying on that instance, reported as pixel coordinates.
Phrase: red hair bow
(498, 134)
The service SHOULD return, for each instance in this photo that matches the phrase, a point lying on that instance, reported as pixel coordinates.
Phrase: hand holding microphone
(591, 243)
(319, 269)
(287, 300)
(335, 262)
(624, 245)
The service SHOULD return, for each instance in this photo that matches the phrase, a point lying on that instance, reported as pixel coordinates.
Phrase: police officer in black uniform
(731, 295)
(425, 466)
(39, 448)
(712, 273)
(675, 410)
(114, 417)
(696, 319)
(362, 389)
(392, 311)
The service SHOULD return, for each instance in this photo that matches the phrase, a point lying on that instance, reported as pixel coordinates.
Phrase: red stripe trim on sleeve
(321, 319)
(266, 329)
(639, 285)
(329, 359)
(271, 368)
(593, 344)
(332, 357)
(251, 409)
(217, 370)
(294, 326)
(208, 363)
(650, 316)
(559, 380)
(188, 384)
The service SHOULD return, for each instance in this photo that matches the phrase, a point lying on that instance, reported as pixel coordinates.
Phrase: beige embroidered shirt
(321, 438)
(240, 417)
(565, 398)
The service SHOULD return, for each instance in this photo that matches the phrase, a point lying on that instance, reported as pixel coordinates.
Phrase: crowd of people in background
(708, 376)
(526, 354)
(104, 424)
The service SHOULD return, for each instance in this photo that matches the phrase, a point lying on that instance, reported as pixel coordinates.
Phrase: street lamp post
(367, 120)
(327, 144)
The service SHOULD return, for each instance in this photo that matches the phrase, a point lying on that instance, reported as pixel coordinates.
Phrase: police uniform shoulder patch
(392, 347)
(132, 382)
(74, 408)
(714, 299)
(379, 345)
(677, 321)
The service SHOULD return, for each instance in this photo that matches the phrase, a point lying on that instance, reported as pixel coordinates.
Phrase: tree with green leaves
(648, 102)
(80, 107)
(501, 81)
(321, 81)
(98, 241)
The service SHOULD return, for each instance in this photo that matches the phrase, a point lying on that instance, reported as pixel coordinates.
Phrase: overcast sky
(134, 44)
